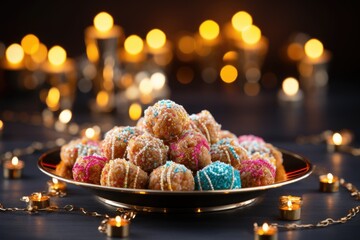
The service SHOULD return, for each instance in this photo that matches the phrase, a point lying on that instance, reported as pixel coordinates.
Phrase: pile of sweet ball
(170, 150)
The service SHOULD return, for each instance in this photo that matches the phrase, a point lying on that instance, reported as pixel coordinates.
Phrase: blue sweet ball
(217, 176)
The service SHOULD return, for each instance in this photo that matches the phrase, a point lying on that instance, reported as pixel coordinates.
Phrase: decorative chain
(354, 192)
(324, 223)
(126, 214)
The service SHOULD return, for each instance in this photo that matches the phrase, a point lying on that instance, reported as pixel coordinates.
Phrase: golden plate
(297, 168)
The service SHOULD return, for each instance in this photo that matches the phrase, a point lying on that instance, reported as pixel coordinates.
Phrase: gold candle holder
(329, 183)
(37, 200)
(290, 207)
(56, 186)
(265, 232)
(13, 168)
(334, 142)
(118, 227)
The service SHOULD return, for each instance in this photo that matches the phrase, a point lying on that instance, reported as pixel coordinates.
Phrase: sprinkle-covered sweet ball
(257, 148)
(78, 147)
(217, 176)
(147, 152)
(123, 174)
(206, 123)
(172, 177)
(257, 172)
(166, 120)
(88, 169)
(116, 140)
(227, 150)
(191, 149)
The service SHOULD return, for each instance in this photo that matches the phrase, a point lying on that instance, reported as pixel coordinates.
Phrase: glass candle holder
(290, 207)
(118, 227)
(37, 200)
(329, 183)
(13, 168)
(56, 186)
(265, 232)
(102, 44)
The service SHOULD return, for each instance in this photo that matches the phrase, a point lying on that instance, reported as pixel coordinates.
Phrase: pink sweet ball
(166, 120)
(257, 172)
(116, 140)
(205, 123)
(263, 150)
(192, 150)
(147, 152)
(172, 177)
(88, 169)
(250, 137)
(124, 174)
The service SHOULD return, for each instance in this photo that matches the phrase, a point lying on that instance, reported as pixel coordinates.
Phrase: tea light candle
(334, 142)
(13, 168)
(39, 201)
(329, 183)
(55, 186)
(265, 232)
(290, 207)
(118, 227)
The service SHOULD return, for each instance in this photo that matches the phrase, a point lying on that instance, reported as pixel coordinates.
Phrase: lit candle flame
(241, 20)
(209, 30)
(135, 111)
(290, 86)
(57, 55)
(55, 181)
(265, 227)
(103, 22)
(313, 48)
(330, 177)
(133, 44)
(90, 133)
(102, 99)
(14, 53)
(15, 161)
(65, 116)
(289, 204)
(30, 43)
(337, 138)
(1, 125)
(156, 38)
(38, 196)
(53, 98)
(118, 221)
(251, 35)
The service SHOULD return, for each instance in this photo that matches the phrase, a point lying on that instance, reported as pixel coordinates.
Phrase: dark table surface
(262, 115)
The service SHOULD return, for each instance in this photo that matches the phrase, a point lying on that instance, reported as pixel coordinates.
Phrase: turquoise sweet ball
(217, 176)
